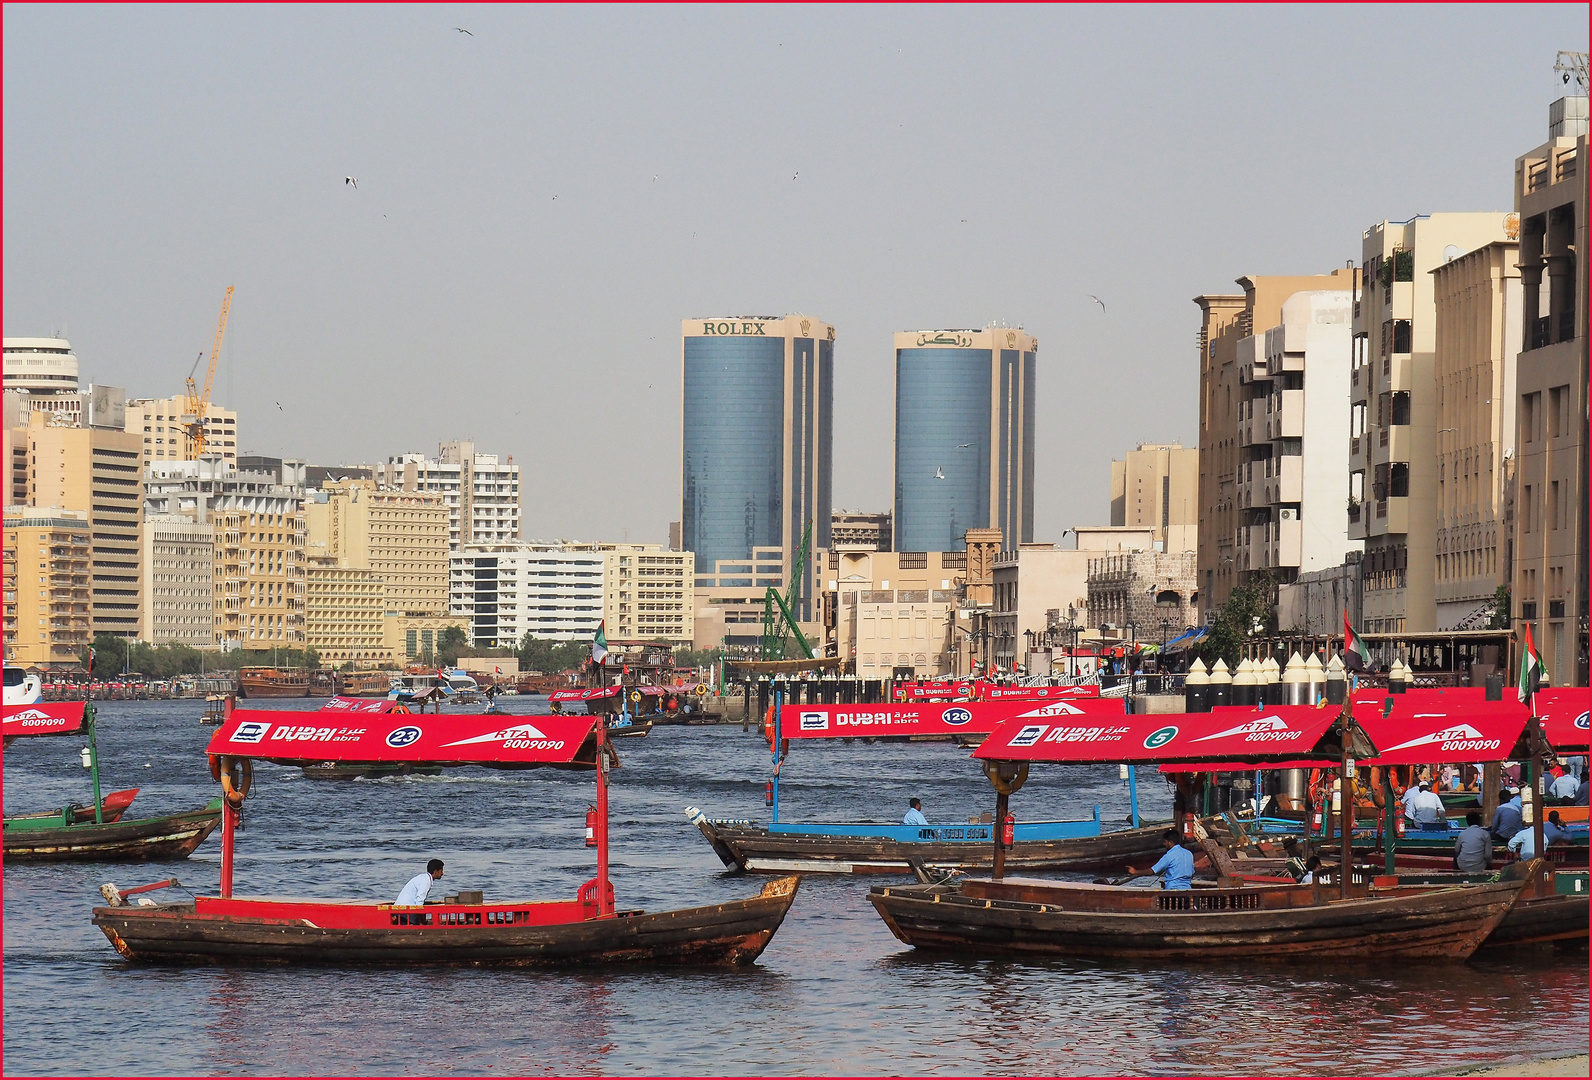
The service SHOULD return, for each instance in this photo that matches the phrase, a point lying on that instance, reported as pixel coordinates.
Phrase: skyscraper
(756, 459)
(964, 455)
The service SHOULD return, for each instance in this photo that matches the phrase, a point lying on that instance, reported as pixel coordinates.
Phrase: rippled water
(834, 993)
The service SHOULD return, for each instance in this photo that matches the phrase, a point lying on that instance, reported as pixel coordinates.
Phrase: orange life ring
(768, 727)
(215, 768)
(237, 774)
(1378, 797)
(404, 709)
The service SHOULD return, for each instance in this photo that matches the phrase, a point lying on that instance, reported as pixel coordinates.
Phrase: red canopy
(603, 692)
(1226, 732)
(361, 705)
(306, 738)
(53, 718)
(992, 692)
(931, 718)
(1563, 710)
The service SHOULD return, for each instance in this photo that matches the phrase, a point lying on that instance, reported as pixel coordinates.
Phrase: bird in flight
(462, 30)
(1097, 300)
(654, 178)
(278, 406)
(939, 473)
(350, 180)
(794, 177)
(963, 445)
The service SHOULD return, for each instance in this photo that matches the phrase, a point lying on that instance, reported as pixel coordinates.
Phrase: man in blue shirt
(914, 814)
(1506, 820)
(1177, 864)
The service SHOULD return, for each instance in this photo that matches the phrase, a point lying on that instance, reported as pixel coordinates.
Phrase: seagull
(462, 30)
(278, 406)
(351, 180)
(939, 473)
(1097, 300)
(963, 445)
(794, 177)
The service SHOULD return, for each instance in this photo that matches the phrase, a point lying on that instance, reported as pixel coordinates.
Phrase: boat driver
(419, 887)
(914, 814)
(1177, 863)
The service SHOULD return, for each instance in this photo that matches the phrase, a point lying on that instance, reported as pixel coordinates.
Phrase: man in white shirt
(1428, 809)
(1565, 786)
(419, 887)
(914, 814)
(1410, 794)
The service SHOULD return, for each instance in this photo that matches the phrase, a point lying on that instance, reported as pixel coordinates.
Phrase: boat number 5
(403, 736)
(1160, 737)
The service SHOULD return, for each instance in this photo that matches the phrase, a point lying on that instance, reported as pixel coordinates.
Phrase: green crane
(778, 622)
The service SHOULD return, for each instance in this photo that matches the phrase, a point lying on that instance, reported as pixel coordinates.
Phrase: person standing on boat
(1473, 849)
(914, 814)
(1177, 864)
(419, 887)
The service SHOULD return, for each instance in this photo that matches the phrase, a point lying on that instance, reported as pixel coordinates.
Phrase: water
(834, 993)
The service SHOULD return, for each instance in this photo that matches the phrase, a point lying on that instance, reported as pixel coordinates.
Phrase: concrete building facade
(551, 591)
(481, 492)
(861, 531)
(94, 470)
(1477, 302)
(1550, 572)
(345, 615)
(964, 436)
(1158, 485)
(1144, 595)
(1315, 603)
(1225, 320)
(1293, 439)
(1393, 464)
(756, 449)
(179, 565)
(896, 611)
(158, 422)
(48, 600)
(648, 593)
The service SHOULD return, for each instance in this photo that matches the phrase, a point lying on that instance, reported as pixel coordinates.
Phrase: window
(1357, 420)
(1525, 511)
(1400, 413)
(1401, 335)
(1558, 411)
(1530, 417)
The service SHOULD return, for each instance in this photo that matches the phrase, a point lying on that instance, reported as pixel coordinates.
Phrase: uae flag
(1531, 670)
(599, 646)
(1356, 657)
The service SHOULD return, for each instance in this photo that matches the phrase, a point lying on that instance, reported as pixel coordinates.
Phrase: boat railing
(970, 832)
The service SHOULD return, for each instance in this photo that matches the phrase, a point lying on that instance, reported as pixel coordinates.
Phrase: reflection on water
(835, 992)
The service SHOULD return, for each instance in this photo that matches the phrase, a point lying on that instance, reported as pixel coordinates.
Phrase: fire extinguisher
(1008, 830)
(591, 826)
(1401, 826)
(768, 793)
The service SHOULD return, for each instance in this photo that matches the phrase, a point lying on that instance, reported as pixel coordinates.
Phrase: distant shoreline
(1556, 1065)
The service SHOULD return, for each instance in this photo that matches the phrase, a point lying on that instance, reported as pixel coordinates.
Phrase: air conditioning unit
(1287, 515)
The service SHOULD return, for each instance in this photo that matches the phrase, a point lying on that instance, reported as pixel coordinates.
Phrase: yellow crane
(194, 419)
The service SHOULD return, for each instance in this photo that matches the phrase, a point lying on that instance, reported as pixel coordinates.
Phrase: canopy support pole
(1538, 789)
(1346, 805)
(1133, 796)
(778, 730)
(229, 829)
(1390, 831)
(605, 905)
(93, 764)
(998, 869)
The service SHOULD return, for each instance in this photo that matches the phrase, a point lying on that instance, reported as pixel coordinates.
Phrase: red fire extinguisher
(1401, 826)
(591, 826)
(768, 793)
(1008, 830)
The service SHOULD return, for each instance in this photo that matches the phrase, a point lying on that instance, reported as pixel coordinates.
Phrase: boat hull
(1535, 920)
(146, 840)
(1447, 924)
(755, 849)
(732, 934)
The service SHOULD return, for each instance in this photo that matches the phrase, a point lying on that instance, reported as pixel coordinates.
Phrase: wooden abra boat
(584, 930)
(93, 833)
(1270, 922)
(273, 683)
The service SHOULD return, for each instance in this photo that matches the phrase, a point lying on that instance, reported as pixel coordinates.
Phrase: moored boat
(463, 929)
(273, 683)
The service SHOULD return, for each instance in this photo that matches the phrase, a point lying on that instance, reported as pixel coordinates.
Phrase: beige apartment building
(1225, 320)
(94, 470)
(481, 493)
(401, 535)
(1550, 572)
(158, 422)
(1477, 301)
(179, 566)
(648, 593)
(896, 612)
(345, 611)
(47, 586)
(1393, 465)
(1158, 486)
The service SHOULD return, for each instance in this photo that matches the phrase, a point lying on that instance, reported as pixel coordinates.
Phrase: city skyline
(453, 254)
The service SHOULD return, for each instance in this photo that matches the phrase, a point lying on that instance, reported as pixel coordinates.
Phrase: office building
(179, 566)
(1393, 465)
(756, 450)
(964, 436)
(345, 615)
(94, 470)
(1158, 486)
(48, 602)
(1293, 440)
(551, 591)
(648, 593)
(1550, 572)
(482, 494)
(44, 373)
(1225, 320)
(159, 423)
(896, 611)
(259, 529)
(860, 531)
(1476, 297)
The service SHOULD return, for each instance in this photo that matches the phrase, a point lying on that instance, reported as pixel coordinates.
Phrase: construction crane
(193, 421)
(1572, 65)
(778, 622)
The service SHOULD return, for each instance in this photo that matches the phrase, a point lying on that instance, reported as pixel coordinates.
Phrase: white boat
(22, 687)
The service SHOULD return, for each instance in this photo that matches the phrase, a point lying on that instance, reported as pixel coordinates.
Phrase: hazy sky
(541, 203)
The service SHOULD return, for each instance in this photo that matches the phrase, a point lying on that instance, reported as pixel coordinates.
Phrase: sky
(540, 201)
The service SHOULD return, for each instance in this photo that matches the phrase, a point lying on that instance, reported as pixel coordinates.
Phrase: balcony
(1290, 479)
(1290, 423)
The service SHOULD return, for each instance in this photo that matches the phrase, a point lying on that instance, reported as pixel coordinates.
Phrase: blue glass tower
(964, 437)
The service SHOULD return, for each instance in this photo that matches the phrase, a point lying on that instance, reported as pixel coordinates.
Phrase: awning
(360, 705)
(595, 694)
(930, 718)
(1563, 710)
(1226, 733)
(51, 718)
(307, 738)
(991, 692)
(1188, 637)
